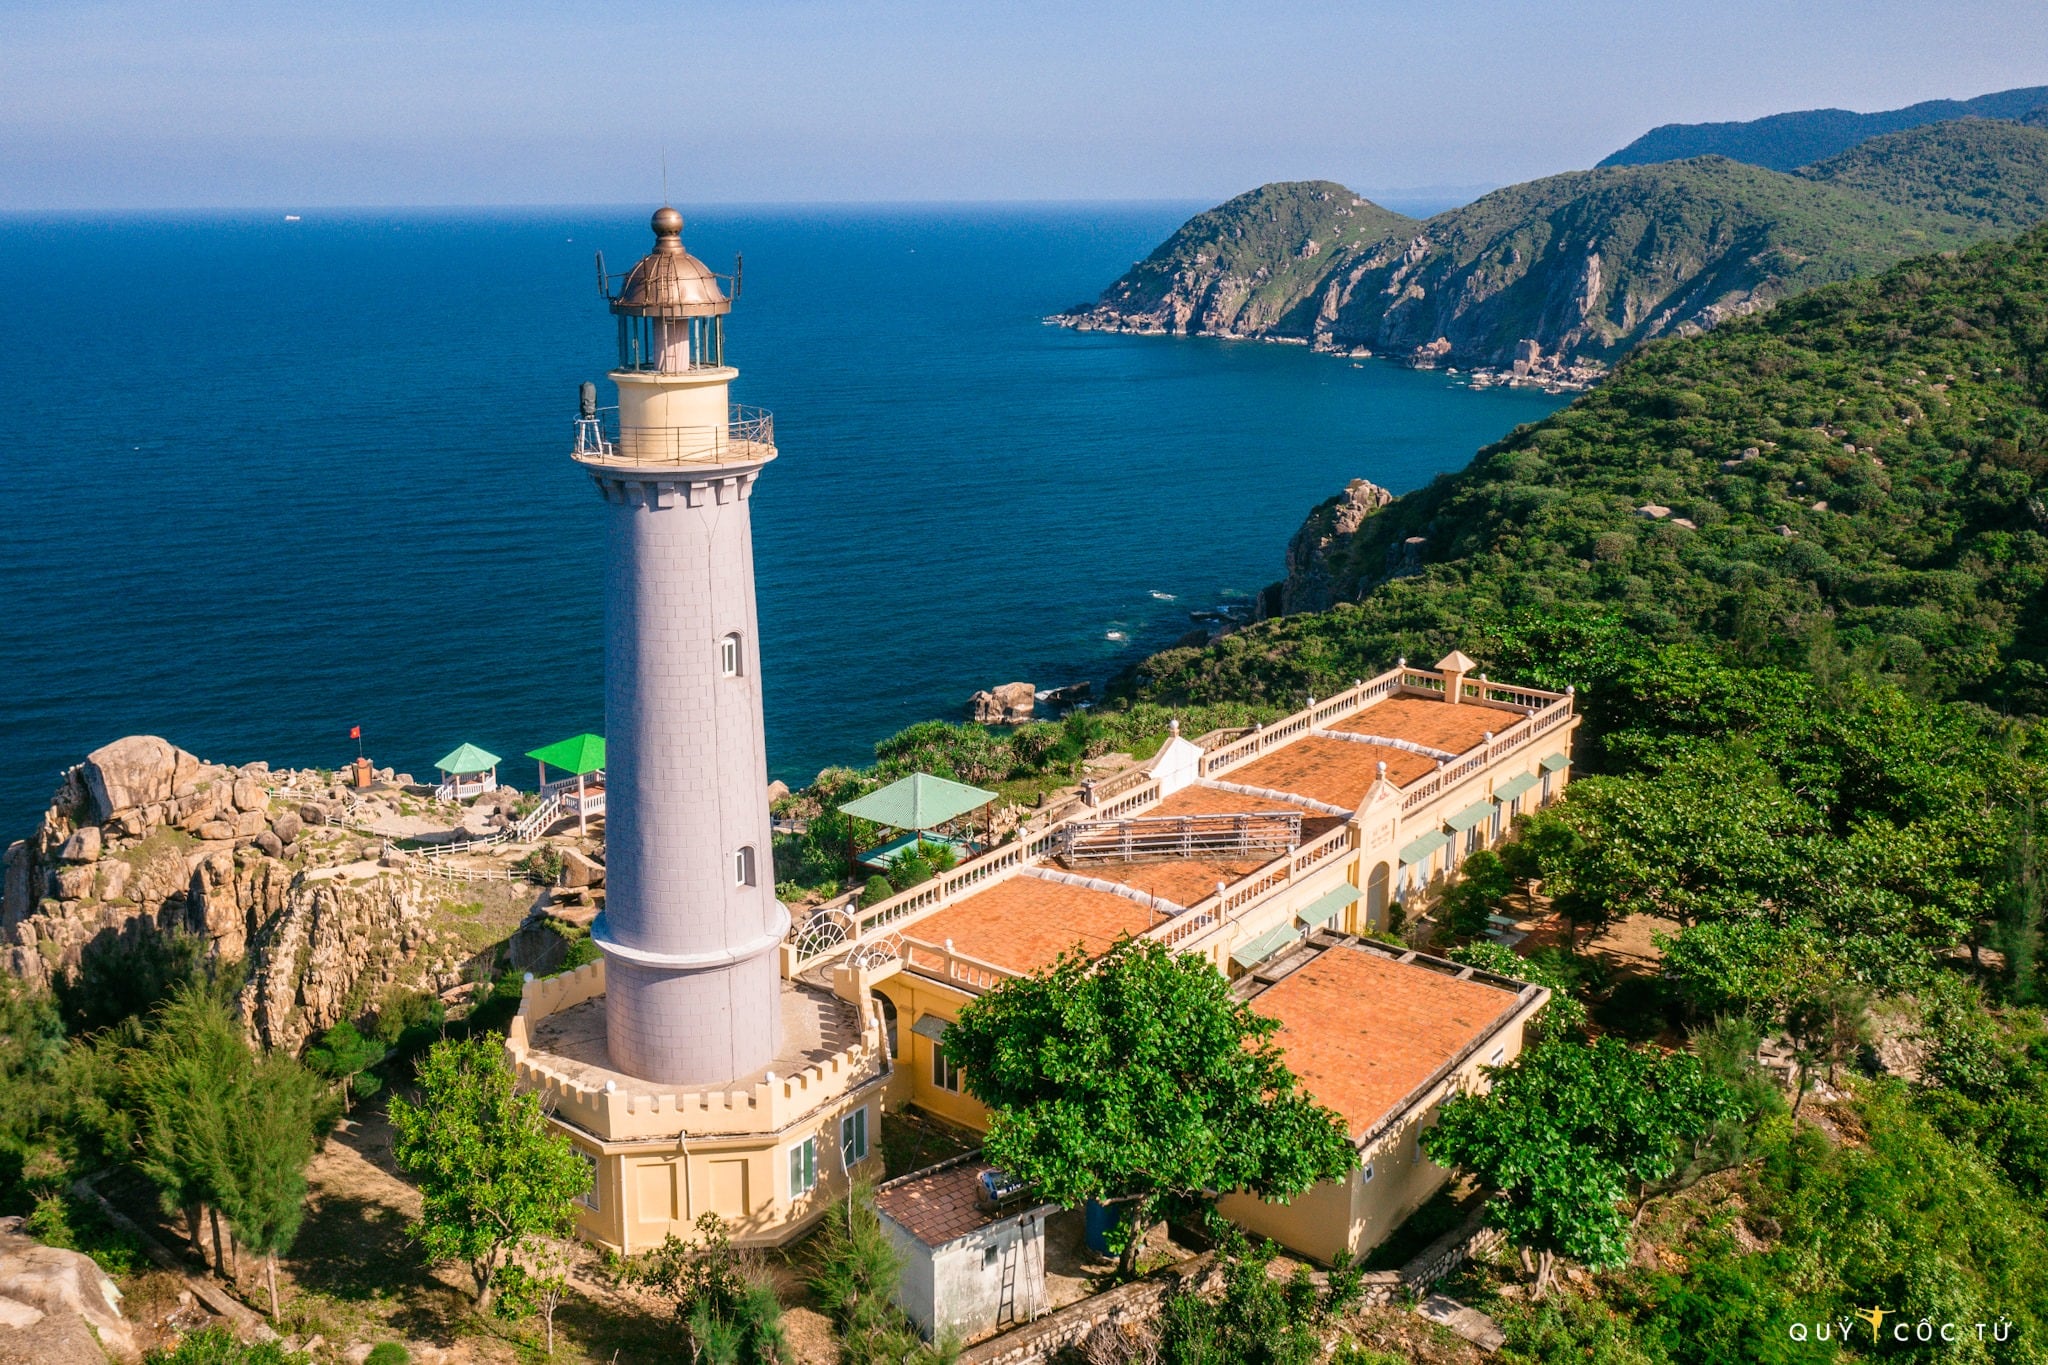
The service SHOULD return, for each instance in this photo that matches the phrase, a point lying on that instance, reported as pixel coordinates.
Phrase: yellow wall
(649, 1189)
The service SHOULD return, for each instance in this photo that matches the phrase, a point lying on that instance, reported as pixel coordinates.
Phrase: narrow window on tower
(743, 866)
(729, 655)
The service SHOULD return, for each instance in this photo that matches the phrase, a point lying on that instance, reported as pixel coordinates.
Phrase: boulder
(74, 883)
(1007, 704)
(249, 795)
(288, 825)
(578, 870)
(136, 771)
(249, 824)
(215, 830)
(271, 845)
(82, 847)
(48, 1295)
(114, 876)
(313, 813)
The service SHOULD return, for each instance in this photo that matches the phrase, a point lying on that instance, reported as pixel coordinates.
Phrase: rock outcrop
(1320, 551)
(143, 839)
(1009, 704)
(58, 1308)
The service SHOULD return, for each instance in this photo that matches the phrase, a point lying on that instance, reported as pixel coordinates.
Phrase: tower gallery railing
(747, 434)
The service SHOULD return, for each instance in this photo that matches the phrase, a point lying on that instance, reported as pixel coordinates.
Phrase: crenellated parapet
(613, 1107)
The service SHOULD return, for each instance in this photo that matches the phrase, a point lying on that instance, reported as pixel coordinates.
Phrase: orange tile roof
(1180, 880)
(1339, 771)
(1201, 800)
(939, 1205)
(1024, 923)
(1437, 724)
(1362, 1030)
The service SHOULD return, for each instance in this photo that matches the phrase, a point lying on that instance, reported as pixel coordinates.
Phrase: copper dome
(669, 282)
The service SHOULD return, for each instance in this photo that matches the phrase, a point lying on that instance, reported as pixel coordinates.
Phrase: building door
(1376, 887)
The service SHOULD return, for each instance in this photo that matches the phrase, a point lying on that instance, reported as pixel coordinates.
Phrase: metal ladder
(1006, 1294)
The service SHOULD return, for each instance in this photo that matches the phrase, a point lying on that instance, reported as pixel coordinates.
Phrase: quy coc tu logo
(1904, 1331)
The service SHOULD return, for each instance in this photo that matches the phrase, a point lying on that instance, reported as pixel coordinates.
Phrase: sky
(140, 104)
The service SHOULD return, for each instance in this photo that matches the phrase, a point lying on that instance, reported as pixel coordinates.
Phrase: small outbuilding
(922, 806)
(973, 1247)
(579, 763)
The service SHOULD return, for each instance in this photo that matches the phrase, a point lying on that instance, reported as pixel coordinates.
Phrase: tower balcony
(747, 436)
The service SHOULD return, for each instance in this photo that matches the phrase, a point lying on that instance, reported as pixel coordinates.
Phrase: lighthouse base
(767, 1151)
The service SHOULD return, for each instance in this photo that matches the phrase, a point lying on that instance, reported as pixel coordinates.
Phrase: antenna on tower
(604, 288)
(738, 266)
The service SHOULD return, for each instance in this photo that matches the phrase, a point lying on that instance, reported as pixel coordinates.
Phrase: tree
(1569, 1131)
(281, 1112)
(724, 1301)
(1481, 884)
(1140, 1078)
(187, 1080)
(345, 1056)
(1564, 1013)
(491, 1173)
(545, 1262)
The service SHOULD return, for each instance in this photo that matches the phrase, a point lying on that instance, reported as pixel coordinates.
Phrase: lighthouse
(691, 925)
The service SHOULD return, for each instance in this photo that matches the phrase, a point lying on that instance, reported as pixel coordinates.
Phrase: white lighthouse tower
(691, 924)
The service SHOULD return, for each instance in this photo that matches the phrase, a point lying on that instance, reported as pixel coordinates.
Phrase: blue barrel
(1098, 1221)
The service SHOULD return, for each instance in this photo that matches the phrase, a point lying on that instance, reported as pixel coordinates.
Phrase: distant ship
(291, 217)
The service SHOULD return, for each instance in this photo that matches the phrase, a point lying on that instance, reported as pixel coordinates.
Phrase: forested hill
(1586, 265)
(1863, 470)
(1785, 141)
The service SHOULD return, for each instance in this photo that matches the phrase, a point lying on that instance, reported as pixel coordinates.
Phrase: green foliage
(723, 1299)
(125, 976)
(388, 1353)
(543, 866)
(491, 1172)
(345, 1056)
(1564, 1014)
(218, 1345)
(878, 888)
(407, 1020)
(1788, 141)
(1138, 1076)
(1480, 886)
(1570, 1130)
(1259, 1319)
(1984, 169)
(187, 1081)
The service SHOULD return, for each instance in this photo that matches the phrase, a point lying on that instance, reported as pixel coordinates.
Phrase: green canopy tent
(467, 761)
(919, 804)
(579, 756)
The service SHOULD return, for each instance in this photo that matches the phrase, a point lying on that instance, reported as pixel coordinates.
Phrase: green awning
(1470, 816)
(1418, 850)
(919, 801)
(1326, 907)
(1553, 762)
(576, 755)
(1265, 945)
(1513, 787)
(467, 759)
(930, 1026)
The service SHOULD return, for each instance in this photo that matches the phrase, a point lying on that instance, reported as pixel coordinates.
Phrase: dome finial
(668, 229)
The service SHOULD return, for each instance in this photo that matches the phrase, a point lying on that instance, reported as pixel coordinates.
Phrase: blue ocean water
(265, 480)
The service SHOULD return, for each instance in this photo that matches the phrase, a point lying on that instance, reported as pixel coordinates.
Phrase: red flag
(355, 732)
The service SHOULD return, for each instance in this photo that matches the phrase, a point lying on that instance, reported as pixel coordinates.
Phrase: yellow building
(1262, 852)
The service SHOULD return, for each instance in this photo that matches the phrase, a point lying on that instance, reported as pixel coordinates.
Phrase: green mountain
(1579, 267)
(1983, 169)
(1785, 141)
(1242, 266)
(1858, 478)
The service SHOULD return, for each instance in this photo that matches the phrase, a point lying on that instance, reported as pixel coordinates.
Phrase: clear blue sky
(175, 103)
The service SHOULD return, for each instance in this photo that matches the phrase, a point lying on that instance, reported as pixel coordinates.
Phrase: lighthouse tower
(691, 923)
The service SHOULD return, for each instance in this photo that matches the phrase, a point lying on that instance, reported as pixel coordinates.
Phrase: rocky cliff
(1319, 554)
(145, 839)
(1553, 280)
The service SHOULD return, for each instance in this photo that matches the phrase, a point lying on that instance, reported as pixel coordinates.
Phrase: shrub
(879, 888)
(217, 1345)
(911, 870)
(388, 1353)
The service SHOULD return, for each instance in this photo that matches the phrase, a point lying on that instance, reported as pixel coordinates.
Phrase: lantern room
(671, 307)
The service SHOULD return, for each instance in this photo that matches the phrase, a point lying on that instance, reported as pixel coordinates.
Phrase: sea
(265, 479)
